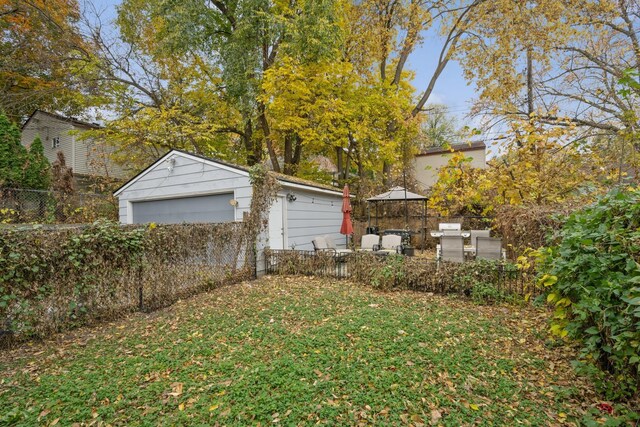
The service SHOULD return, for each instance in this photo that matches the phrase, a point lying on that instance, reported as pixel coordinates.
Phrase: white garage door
(212, 208)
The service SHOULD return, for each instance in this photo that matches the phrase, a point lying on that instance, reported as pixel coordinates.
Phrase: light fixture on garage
(291, 197)
(171, 162)
(233, 202)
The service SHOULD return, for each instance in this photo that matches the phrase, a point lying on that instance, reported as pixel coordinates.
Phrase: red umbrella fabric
(347, 226)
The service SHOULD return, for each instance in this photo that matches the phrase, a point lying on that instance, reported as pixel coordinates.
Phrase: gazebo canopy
(396, 194)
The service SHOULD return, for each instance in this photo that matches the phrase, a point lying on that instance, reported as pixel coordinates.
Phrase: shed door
(276, 224)
(211, 208)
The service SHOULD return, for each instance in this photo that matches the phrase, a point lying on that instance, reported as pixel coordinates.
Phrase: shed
(183, 187)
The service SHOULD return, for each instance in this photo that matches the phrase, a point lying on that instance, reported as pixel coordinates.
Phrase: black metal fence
(401, 272)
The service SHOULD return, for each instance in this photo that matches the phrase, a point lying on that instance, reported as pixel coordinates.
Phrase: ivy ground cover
(301, 351)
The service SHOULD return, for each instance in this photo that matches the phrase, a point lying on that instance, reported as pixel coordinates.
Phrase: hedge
(51, 280)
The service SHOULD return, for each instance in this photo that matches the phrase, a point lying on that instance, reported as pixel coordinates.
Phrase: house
(59, 133)
(427, 164)
(182, 187)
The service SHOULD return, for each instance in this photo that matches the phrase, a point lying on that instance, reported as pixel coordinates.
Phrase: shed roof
(285, 180)
(396, 193)
(472, 146)
(74, 121)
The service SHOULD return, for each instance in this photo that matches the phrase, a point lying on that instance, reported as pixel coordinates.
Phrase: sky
(451, 88)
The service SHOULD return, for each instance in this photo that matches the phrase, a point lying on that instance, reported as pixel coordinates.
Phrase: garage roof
(285, 180)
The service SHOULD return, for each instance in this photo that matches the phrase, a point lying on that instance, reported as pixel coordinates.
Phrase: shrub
(511, 282)
(488, 293)
(525, 227)
(593, 278)
(390, 274)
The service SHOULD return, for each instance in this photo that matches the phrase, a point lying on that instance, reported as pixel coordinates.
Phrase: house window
(55, 142)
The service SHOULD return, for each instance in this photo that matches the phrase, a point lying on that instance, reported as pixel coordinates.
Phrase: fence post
(140, 293)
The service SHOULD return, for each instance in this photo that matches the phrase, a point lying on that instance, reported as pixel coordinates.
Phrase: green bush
(488, 293)
(593, 279)
(390, 274)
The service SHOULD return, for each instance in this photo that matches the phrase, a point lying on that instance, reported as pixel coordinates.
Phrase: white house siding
(82, 157)
(426, 167)
(47, 128)
(94, 159)
(189, 177)
(312, 214)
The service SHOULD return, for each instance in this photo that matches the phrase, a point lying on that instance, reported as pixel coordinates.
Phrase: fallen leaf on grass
(435, 416)
(176, 389)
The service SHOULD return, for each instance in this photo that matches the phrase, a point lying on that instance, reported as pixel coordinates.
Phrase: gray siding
(47, 128)
(86, 157)
(180, 210)
(313, 214)
(189, 177)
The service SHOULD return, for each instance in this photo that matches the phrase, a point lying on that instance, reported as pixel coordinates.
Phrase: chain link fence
(66, 277)
(20, 206)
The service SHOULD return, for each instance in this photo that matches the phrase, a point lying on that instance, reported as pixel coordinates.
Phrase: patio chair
(332, 245)
(391, 243)
(369, 242)
(478, 233)
(452, 248)
(320, 244)
(488, 248)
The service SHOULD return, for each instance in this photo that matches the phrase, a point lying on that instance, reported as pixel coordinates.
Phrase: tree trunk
(386, 173)
(297, 153)
(264, 124)
(339, 161)
(292, 153)
(254, 153)
(288, 153)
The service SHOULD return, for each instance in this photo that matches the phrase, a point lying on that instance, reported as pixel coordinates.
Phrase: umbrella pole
(424, 226)
(376, 214)
(406, 208)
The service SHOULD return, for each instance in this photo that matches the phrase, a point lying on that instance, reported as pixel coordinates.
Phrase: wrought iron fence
(19, 206)
(402, 272)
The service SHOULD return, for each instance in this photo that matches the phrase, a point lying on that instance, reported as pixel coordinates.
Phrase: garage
(182, 187)
(206, 208)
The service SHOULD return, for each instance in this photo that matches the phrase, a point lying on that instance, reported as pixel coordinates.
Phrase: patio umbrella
(347, 226)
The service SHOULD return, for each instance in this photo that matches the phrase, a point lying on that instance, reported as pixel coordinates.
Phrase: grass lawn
(301, 351)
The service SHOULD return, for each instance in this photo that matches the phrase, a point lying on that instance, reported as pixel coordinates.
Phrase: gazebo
(401, 194)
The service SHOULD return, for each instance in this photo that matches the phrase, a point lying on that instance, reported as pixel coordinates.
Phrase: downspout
(73, 152)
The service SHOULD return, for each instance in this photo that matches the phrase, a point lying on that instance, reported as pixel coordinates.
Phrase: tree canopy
(286, 82)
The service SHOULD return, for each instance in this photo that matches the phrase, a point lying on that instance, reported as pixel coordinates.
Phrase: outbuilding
(183, 187)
